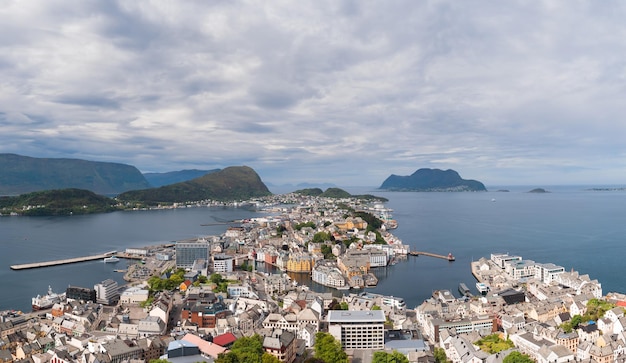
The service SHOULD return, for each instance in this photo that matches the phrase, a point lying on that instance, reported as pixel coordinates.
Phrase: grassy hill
(173, 177)
(232, 183)
(23, 174)
(57, 202)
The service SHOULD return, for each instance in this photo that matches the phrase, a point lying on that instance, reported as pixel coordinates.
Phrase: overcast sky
(343, 92)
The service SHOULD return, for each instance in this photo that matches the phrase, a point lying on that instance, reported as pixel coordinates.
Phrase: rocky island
(432, 180)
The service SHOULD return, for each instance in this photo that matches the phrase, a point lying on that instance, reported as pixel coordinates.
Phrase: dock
(448, 257)
(66, 261)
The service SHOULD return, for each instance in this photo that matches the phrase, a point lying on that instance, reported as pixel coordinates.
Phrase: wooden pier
(66, 261)
(448, 257)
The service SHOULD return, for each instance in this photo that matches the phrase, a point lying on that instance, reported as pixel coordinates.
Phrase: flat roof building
(187, 252)
(358, 329)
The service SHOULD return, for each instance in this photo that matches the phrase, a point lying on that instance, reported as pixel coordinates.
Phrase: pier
(448, 257)
(66, 261)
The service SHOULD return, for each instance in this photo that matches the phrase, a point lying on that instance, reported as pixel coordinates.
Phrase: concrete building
(223, 263)
(358, 329)
(187, 252)
(107, 292)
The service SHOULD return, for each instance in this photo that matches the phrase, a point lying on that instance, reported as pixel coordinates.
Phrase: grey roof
(367, 316)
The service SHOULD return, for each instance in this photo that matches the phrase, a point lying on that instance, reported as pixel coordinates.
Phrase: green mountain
(432, 180)
(232, 183)
(173, 177)
(57, 202)
(23, 174)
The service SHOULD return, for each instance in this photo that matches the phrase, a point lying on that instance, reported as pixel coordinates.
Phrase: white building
(107, 292)
(358, 329)
(134, 295)
(547, 272)
(222, 263)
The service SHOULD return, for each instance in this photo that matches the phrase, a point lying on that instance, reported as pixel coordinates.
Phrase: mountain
(22, 174)
(232, 183)
(337, 193)
(432, 180)
(173, 177)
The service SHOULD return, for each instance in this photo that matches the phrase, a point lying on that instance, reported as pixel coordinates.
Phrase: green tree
(376, 307)
(244, 350)
(216, 278)
(440, 355)
(494, 343)
(268, 358)
(328, 349)
(517, 357)
(159, 361)
(393, 357)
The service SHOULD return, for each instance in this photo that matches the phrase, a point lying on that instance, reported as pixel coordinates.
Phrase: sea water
(573, 227)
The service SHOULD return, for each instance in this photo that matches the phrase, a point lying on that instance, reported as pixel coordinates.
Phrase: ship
(111, 259)
(464, 290)
(482, 288)
(47, 301)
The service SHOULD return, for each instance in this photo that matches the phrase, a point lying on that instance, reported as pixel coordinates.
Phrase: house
(281, 344)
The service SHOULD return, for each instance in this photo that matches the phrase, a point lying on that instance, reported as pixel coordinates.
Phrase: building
(80, 293)
(222, 263)
(187, 252)
(358, 329)
(107, 292)
(281, 344)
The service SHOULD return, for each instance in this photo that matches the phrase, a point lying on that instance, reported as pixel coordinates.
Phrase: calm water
(570, 227)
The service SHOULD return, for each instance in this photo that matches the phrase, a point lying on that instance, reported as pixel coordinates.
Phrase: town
(202, 300)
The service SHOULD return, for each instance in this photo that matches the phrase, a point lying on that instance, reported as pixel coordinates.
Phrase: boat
(47, 301)
(111, 259)
(482, 288)
(463, 290)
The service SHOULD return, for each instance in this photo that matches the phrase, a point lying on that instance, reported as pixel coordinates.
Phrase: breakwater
(65, 261)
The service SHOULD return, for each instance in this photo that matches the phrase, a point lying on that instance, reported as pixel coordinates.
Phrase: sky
(342, 92)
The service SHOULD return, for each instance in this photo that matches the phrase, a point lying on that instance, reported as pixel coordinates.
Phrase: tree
(393, 357)
(517, 357)
(328, 349)
(244, 350)
(440, 355)
(159, 361)
(268, 358)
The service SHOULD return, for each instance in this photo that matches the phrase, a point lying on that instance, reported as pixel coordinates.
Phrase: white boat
(111, 259)
(47, 301)
(482, 288)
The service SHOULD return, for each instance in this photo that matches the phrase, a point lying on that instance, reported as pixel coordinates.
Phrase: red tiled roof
(224, 339)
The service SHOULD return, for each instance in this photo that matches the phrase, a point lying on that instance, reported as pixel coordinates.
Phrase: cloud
(345, 92)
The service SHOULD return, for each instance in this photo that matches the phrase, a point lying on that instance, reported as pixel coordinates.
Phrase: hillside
(232, 183)
(57, 202)
(23, 174)
(173, 177)
(337, 193)
(432, 180)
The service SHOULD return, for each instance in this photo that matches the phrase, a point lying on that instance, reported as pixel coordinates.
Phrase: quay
(448, 257)
(66, 261)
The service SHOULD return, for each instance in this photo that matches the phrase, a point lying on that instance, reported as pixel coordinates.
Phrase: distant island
(432, 180)
(57, 202)
(538, 190)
